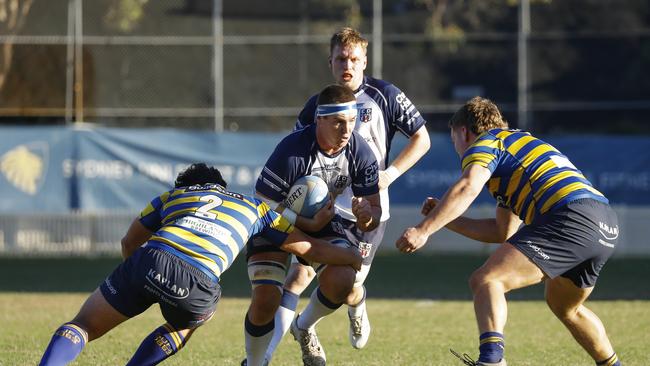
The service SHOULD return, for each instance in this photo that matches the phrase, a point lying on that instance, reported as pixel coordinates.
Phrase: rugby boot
(470, 362)
(244, 362)
(359, 330)
(312, 352)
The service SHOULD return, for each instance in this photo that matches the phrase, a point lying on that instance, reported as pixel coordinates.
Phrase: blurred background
(102, 102)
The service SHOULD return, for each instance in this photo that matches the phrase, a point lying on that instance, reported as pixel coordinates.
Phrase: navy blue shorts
(574, 241)
(187, 296)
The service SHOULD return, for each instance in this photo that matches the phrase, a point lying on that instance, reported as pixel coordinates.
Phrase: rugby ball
(307, 195)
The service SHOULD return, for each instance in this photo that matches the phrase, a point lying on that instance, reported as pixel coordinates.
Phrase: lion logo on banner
(24, 166)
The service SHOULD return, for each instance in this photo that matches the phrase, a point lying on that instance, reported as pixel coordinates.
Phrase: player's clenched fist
(361, 209)
(411, 240)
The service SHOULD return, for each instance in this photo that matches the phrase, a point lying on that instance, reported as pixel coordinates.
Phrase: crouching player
(193, 233)
(569, 229)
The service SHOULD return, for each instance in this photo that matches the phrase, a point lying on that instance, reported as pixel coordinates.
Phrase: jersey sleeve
(278, 173)
(402, 113)
(308, 114)
(365, 174)
(271, 225)
(485, 151)
(150, 216)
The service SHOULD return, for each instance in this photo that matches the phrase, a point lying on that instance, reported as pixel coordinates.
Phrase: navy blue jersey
(382, 110)
(298, 155)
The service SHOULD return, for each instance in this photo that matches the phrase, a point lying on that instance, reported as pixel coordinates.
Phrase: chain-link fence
(249, 65)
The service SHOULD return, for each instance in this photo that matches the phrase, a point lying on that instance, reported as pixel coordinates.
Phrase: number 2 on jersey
(204, 211)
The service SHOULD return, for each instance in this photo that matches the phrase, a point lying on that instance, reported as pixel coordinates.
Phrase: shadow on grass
(430, 276)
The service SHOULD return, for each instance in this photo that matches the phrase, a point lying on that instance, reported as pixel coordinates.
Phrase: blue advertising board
(62, 169)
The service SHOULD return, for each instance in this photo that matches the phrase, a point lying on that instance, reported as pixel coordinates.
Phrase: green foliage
(124, 15)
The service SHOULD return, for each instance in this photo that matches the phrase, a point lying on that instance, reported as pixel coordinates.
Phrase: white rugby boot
(359, 329)
(312, 351)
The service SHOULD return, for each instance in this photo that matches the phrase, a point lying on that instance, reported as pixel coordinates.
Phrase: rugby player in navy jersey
(191, 235)
(569, 229)
(383, 110)
(331, 150)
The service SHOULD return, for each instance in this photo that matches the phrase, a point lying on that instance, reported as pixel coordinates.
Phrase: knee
(355, 296)
(337, 283)
(264, 303)
(481, 279)
(476, 280)
(299, 278)
(561, 311)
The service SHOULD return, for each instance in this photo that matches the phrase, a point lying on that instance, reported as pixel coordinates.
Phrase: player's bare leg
(95, 318)
(505, 270)
(566, 300)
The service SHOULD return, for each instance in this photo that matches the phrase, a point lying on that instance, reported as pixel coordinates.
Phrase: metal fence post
(523, 87)
(377, 39)
(217, 63)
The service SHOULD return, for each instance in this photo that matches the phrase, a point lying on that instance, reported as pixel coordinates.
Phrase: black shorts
(572, 241)
(187, 296)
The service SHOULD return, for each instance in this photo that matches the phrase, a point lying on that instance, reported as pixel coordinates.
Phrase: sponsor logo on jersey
(25, 165)
(341, 182)
(365, 114)
(501, 199)
(404, 102)
(364, 249)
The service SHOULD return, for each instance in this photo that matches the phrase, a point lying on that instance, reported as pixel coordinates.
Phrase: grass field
(419, 307)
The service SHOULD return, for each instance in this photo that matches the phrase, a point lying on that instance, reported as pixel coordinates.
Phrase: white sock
(283, 319)
(358, 309)
(256, 343)
(318, 308)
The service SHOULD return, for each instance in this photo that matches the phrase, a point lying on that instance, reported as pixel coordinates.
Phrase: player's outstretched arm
(417, 146)
(491, 230)
(135, 236)
(318, 250)
(455, 201)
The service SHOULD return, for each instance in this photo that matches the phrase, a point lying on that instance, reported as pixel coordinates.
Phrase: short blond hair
(348, 37)
(478, 115)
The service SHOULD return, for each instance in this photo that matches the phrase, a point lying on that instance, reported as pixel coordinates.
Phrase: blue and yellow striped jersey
(529, 176)
(208, 226)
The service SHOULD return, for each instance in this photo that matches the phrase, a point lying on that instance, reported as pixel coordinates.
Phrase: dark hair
(478, 115)
(335, 93)
(198, 174)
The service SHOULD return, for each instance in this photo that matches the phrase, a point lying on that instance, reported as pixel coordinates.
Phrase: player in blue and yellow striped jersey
(191, 235)
(569, 229)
